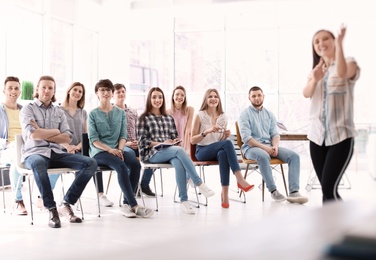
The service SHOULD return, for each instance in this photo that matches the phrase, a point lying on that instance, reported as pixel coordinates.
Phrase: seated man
(258, 130)
(44, 128)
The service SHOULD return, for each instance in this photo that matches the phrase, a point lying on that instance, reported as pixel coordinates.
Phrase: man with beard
(259, 133)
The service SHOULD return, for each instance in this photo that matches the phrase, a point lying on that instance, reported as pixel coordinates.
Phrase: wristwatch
(203, 134)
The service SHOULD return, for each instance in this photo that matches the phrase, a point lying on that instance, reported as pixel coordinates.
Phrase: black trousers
(330, 163)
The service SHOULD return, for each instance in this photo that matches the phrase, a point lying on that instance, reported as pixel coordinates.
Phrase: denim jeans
(183, 165)
(84, 165)
(284, 154)
(223, 152)
(148, 173)
(128, 172)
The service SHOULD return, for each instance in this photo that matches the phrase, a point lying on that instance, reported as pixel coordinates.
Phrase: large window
(236, 46)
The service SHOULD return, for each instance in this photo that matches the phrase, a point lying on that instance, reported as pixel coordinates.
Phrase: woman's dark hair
(316, 57)
(149, 107)
(104, 83)
(36, 95)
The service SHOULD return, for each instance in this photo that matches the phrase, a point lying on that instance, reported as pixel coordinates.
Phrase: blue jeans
(148, 173)
(128, 172)
(223, 152)
(84, 165)
(183, 165)
(284, 154)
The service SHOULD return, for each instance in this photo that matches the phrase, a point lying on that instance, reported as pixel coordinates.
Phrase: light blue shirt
(258, 124)
(107, 128)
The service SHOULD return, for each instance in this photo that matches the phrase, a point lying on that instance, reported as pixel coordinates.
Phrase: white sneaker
(296, 197)
(103, 201)
(127, 211)
(187, 208)
(278, 196)
(143, 212)
(205, 190)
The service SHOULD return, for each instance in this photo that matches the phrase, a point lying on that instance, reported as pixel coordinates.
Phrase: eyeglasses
(103, 90)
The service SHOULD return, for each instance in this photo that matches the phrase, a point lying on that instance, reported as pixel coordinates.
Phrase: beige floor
(117, 237)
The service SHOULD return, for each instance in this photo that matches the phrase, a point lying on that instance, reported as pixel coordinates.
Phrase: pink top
(181, 123)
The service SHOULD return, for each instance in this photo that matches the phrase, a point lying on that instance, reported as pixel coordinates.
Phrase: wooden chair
(274, 162)
(29, 173)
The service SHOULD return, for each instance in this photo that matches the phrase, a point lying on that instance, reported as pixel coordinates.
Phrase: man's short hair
(11, 78)
(255, 88)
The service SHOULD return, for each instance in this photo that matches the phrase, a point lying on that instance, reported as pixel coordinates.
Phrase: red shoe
(225, 205)
(248, 188)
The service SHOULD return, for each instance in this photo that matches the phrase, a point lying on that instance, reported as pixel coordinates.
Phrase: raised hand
(341, 35)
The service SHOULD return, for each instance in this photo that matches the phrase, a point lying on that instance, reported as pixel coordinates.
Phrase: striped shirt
(332, 108)
(154, 129)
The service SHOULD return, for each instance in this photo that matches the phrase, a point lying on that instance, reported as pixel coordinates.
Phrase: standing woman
(155, 127)
(330, 87)
(73, 107)
(183, 116)
(210, 134)
(107, 137)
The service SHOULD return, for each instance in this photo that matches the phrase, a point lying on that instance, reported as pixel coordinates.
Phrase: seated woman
(73, 107)
(155, 127)
(107, 137)
(210, 134)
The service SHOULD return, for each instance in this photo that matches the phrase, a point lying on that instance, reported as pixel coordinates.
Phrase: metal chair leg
(96, 190)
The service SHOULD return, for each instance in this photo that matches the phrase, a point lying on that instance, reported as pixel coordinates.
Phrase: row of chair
(251, 165)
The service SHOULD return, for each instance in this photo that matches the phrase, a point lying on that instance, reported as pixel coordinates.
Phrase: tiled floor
(116, 237)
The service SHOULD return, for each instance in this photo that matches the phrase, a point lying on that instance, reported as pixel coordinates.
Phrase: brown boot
(19, 208)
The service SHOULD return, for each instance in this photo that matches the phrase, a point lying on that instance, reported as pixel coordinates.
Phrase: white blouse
(206, 124)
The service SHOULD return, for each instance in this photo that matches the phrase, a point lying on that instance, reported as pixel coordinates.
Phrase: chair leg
(284, 180)
(82, 211)
(263, 190)
(31, 201)
(203, 178)
(96, 190)
(241, 192)
(155, 188)
(160, 173)
(2, 182)
(108, 182)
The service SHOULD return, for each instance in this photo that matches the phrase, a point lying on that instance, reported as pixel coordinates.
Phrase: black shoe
(66, 211)
(54, 219)
(147, 191)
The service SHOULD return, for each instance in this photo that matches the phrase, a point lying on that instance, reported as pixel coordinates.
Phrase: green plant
(27, 90)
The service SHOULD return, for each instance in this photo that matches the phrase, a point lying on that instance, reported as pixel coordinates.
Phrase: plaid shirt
(154, 129)
(131, 123)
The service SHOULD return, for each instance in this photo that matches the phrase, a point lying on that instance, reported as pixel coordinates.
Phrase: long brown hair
(184, 105)
(149, 107)
(81, 102)
(204, 104)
